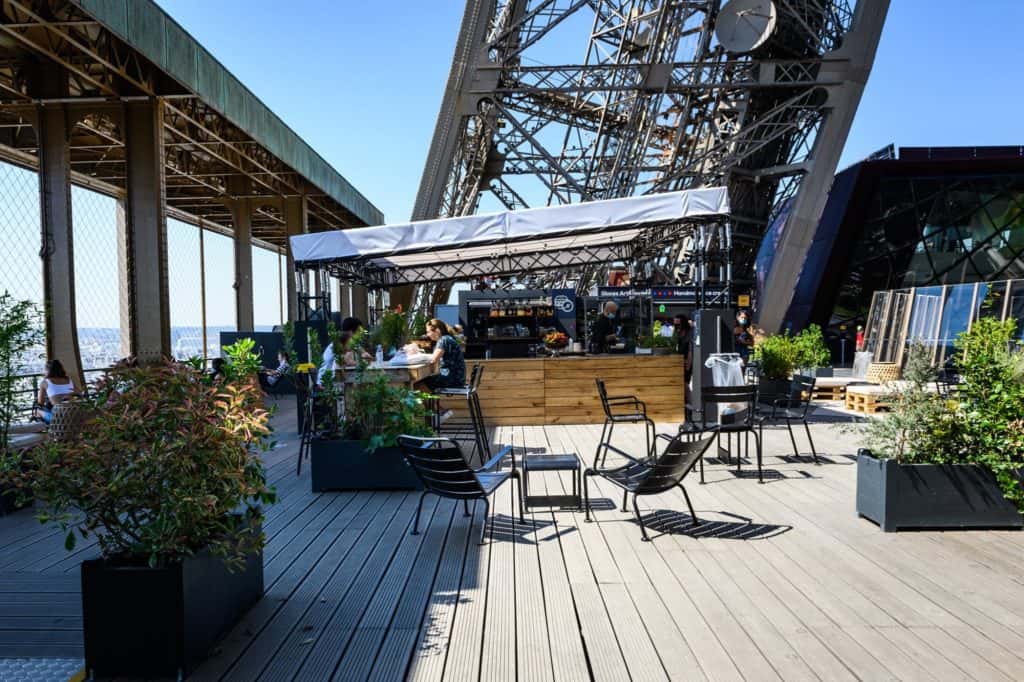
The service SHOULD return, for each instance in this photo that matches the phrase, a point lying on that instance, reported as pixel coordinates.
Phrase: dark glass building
(933, 216)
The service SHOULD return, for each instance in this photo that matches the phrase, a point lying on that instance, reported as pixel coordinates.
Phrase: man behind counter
(603, 331)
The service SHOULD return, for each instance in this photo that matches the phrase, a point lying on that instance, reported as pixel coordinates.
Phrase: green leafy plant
(777, 355)
(655, 339)
(243, 360)
(419, 325)
(393, 329)
(921, 426)
(20, 332)
(162, 461)
(378, 411)
(288, 339)
(809, 349)
(992, 402)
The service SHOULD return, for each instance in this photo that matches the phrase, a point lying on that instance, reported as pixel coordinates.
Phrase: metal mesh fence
(219, 259)
(97, 285)
(185, 293)
(21, 270)
(266, 290)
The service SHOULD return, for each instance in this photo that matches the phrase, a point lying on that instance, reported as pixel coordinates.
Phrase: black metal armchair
(443, 469)
(742, 421)
(651, 476)
(792, 408)
(622, 409)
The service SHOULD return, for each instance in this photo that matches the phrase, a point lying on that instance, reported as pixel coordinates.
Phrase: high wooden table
(398, 374)
(562, 391)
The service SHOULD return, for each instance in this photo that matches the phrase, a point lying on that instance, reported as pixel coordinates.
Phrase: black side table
(561, 462)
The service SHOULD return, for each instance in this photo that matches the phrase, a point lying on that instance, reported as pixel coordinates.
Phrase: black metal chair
(443, 469)
(792, 408)
(621, 409)
(652, 476)
(473, 428)
(947, 383)
(742, 421)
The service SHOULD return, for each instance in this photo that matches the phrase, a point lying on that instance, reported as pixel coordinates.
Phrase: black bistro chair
(794, 407)
(621, 409)
(472, 428)
(653, 475)
(744, 421)
(443, 469)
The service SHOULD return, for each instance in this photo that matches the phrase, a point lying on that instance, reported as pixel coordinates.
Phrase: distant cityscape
(100, 347)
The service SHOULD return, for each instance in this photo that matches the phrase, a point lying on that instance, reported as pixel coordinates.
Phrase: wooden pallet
(868, 403)
(829, 392)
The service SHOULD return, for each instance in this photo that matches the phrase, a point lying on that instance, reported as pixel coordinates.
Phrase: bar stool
(473, 429)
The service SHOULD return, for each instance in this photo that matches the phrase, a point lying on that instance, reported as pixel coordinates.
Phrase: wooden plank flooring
(776, 581)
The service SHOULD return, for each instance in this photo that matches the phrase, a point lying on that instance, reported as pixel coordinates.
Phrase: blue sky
(362, 85)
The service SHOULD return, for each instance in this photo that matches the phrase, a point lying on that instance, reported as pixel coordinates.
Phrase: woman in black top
(448, 351)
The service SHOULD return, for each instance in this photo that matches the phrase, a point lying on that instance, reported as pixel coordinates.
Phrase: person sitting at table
(684, 344)
(742, 334)
(56, 387)
(448, 352)
(269, 378)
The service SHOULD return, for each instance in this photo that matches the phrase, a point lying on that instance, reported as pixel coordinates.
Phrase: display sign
(564, 303)
(743, 301)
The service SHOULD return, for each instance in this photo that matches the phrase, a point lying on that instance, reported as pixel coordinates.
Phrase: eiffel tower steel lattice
(561, 101)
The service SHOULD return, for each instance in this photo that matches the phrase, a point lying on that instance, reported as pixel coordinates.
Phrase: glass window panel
(956, 315)
(266, 292)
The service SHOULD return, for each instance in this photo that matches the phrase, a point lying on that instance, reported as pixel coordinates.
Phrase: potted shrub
(164, 475)
(19, 334)
(777, 354)
(359, 452)
(937, 462)
(655, 343)
(811, 355)
(392, 331)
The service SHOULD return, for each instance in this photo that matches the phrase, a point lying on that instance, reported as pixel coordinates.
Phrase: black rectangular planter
(346, 465)
(938, 496)
(162, 622)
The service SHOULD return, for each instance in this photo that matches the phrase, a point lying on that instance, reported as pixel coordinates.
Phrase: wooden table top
(398, 374)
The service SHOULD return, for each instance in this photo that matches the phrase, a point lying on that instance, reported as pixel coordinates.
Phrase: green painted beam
(161, 40)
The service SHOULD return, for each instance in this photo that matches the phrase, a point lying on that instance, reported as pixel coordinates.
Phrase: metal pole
(280, 286)
(202, 286)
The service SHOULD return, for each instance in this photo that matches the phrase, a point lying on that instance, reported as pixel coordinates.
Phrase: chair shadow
(506, 528)
(670, 522)
(768, 475)
(808, 459)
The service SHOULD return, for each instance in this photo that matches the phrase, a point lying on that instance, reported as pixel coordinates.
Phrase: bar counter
(561, 390)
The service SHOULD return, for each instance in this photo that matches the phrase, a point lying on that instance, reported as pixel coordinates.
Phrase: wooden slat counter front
(562, 390)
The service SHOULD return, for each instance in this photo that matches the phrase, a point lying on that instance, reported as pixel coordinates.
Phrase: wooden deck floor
(779, 581)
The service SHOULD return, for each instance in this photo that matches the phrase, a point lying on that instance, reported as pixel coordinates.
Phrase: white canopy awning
(432, 250)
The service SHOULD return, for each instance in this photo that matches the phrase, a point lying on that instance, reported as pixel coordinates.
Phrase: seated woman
(218, 369)
(55, 388)
(448, 352)
(269, 378)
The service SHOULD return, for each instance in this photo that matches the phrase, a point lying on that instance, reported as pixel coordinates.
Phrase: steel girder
(653, 104)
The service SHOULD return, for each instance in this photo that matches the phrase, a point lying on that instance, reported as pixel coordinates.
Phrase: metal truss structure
(208, 159)
(653, 103)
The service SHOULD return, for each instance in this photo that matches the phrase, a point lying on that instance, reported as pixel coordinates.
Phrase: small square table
(553, 462)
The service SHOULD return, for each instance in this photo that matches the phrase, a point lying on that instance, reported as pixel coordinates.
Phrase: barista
(603, 331)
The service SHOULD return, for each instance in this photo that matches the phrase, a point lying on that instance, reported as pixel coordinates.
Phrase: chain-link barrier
(219, 259)
(97, 283)
(184, 284)
(266, 289)
(21, 269)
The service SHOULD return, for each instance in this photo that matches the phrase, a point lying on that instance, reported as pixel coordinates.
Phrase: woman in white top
(55, 388)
